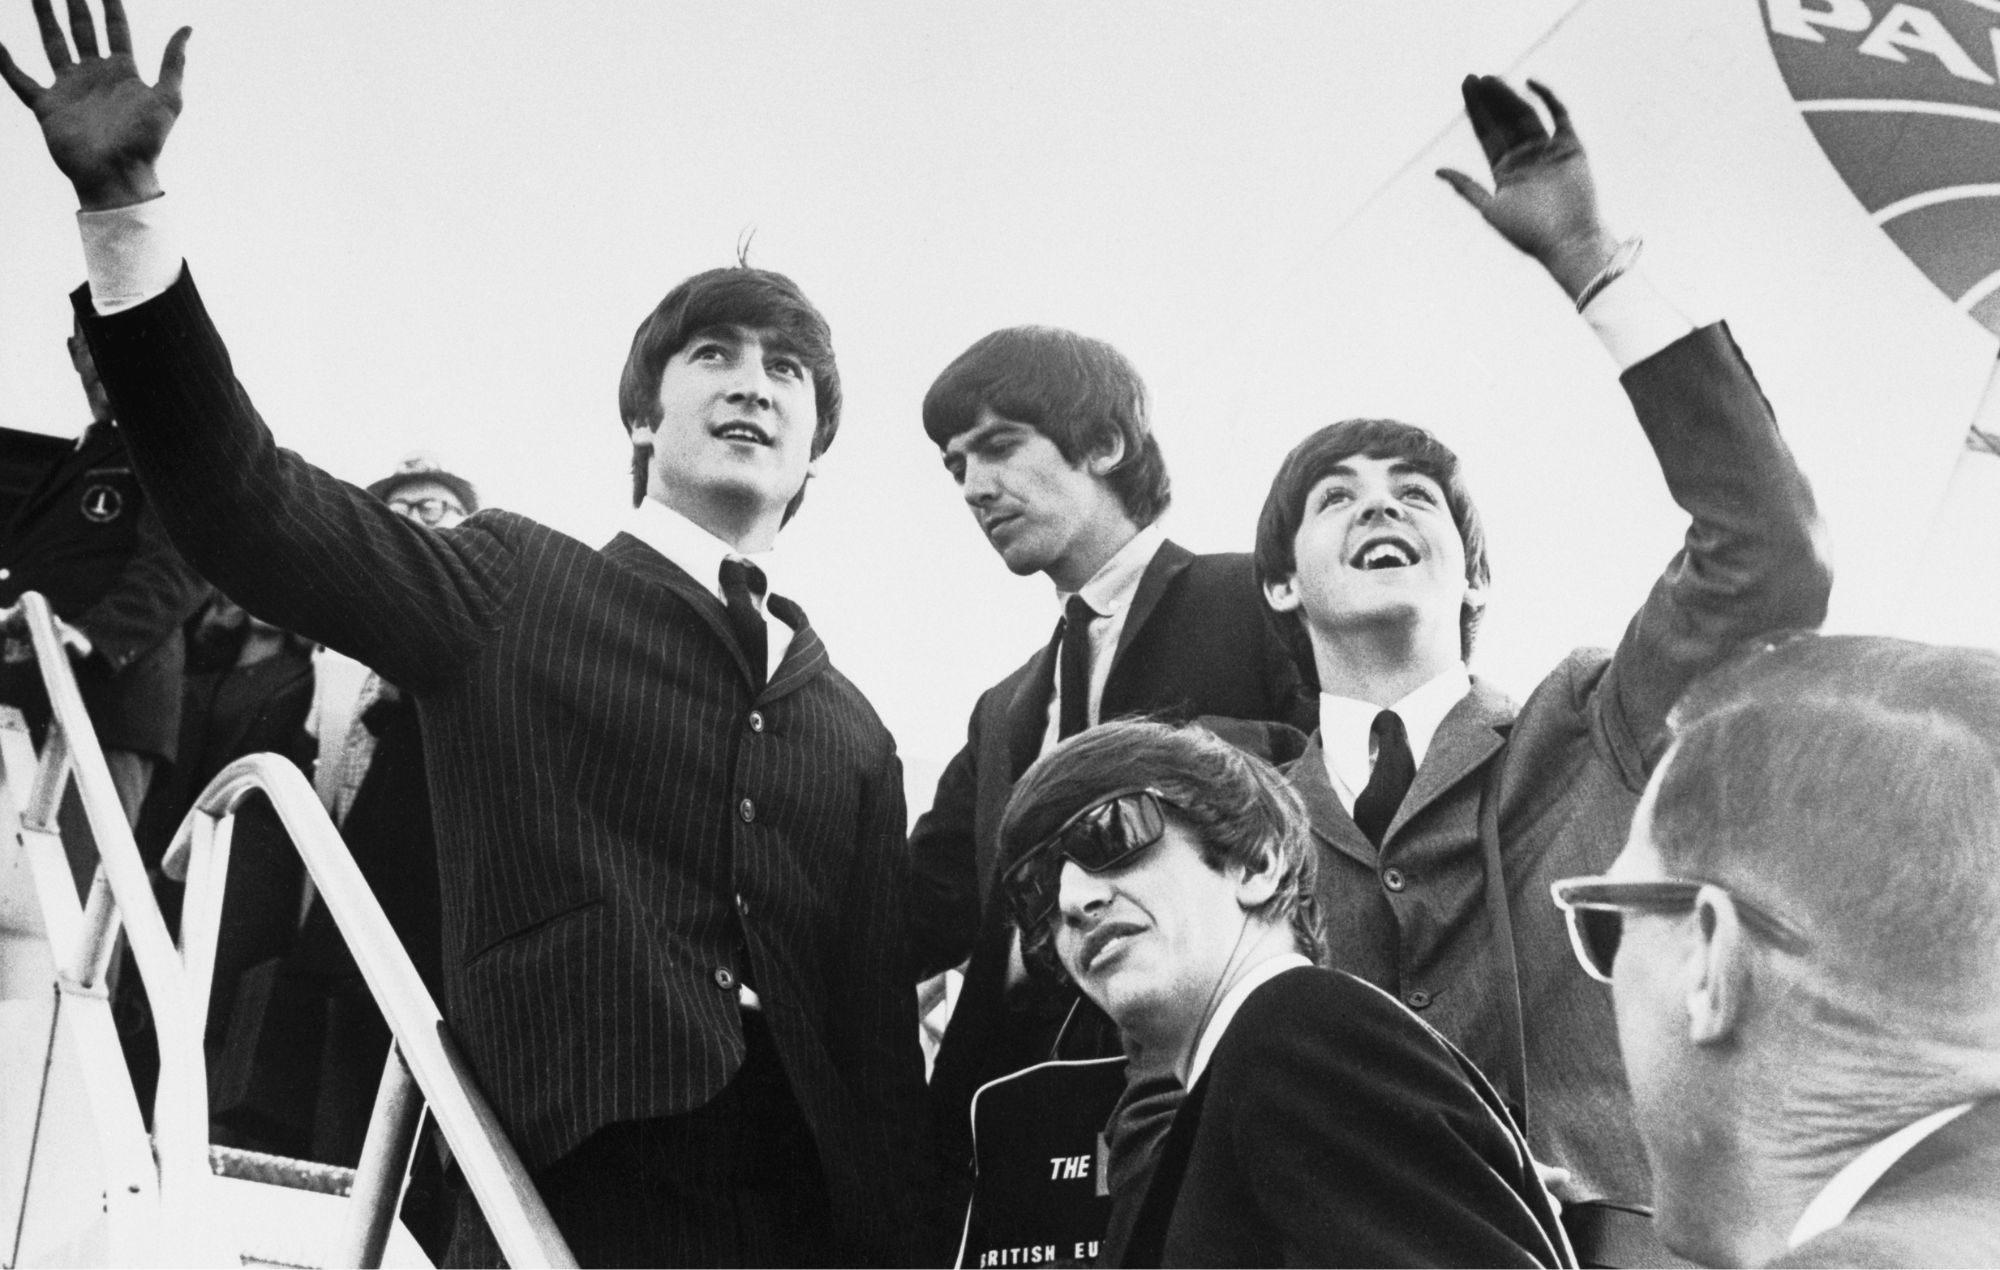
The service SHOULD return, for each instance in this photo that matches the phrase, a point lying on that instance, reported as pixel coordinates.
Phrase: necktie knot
(739, 574)
(1389, 781)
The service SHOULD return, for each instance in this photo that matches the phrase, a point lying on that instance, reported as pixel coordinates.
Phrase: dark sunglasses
(1596, 909)
(1102, 836)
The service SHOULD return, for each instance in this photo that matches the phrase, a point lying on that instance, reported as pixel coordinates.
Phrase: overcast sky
(434, 226)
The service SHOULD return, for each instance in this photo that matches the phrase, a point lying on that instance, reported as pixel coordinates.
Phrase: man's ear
(1718, 969)
(1105, 460)
(1257, 883)
(1475, 596)
(1283, 595)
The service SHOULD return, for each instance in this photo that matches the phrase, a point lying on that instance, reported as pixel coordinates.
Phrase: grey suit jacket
(1566, 769)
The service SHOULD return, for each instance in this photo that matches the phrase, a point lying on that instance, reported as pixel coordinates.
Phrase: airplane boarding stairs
(81, 1181)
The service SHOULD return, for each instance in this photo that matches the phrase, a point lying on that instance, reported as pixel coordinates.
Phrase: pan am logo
(1905, 100)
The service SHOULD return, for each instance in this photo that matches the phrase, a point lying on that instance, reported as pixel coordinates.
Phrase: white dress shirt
(700, 554)
(1346, 729)
(1845, 1189)
(1110, 592)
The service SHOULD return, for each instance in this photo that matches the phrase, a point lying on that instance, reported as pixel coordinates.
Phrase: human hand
(1543, 198)
(16, 644)
(104, 127)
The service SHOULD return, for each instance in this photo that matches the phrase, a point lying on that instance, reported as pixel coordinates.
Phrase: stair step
(279, 1170)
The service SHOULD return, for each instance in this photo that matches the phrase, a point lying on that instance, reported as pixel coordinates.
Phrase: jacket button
(1393, 879)
(1417, 1000)
(756, 720)
(747, 810)
(725, 978)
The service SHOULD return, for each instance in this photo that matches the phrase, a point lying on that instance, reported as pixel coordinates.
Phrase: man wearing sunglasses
(1442, 811)
(1046, 434)
(1172, 877)
(1802, 938)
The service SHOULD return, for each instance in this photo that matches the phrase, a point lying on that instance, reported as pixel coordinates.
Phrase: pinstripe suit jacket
(625, 829)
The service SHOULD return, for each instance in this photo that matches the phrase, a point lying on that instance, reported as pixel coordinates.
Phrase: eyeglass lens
(1599, 930)
(428, 510)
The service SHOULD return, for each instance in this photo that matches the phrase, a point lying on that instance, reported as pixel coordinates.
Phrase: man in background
(86, 537)
(1802, 938)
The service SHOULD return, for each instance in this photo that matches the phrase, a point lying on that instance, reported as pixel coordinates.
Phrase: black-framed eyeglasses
(428, 510)
(1596, 908)
(1102, 836)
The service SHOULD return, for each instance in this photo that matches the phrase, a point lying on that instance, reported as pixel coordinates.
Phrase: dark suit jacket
(1333, 1128)
(1413, 918)
(87, 539)
(626, 828)
(1937, 1206)
(1196, 642)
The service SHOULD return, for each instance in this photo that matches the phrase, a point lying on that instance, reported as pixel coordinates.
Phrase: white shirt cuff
(129, 254)
(1634, 318)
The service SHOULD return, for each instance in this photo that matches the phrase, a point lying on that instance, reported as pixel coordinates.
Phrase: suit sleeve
(285, 540)
(1752, 561)
(151, 596)
(1362, 1141)
(944, 866)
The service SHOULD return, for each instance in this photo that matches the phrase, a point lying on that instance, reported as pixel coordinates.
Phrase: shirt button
(747, 810)
(756, 720)
(1418, 999)
(1393, 879)
(725, 978)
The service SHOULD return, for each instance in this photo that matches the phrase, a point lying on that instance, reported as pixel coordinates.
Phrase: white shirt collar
(1838, 1197)
(1111, 589)
(1232, 1001)
(1346, 724)
(698, 552)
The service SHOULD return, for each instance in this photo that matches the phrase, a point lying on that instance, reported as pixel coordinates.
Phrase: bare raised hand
(1543, 198)
(105, 127)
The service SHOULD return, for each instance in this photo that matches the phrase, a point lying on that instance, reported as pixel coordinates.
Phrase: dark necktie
(742, 587)
(1394, 768)
(1077, 617)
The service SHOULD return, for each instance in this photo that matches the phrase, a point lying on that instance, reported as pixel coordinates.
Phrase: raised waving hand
(105, 127)
(1543, 199)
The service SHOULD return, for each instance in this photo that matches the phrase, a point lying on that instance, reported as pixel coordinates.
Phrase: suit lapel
(804, 659)
(1168, 563)
(1331, 822)
(1028, 712)
(1475, 728)
(635, 555)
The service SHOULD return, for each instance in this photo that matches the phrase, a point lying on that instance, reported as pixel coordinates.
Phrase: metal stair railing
(424, 1064)
(120, 885)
